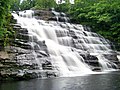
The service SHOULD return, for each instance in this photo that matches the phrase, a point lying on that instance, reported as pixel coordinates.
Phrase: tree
(27, 4)
(44, 4)
(15, 5)
(4, 22)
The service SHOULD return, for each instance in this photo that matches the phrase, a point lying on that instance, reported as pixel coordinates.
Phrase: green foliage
(5, 16)
(15, 5)
(32, 4)
(44, 4)
(27, 4)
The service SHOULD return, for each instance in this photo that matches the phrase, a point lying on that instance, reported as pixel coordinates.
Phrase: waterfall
(65, 43)
(106, 64)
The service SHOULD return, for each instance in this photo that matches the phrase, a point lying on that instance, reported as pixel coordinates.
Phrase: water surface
(109, 81)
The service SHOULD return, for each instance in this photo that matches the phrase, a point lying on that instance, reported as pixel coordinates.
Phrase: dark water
(110, 81)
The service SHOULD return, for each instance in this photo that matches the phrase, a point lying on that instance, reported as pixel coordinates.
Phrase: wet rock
(29, 75)
(36, 47)
(18, 50)
(62, 14)
(62, 19)
(47, 65)
(22, 36)
(25, 57)
(98, 69)
(53, 19)
(41, 14)
(23, 31)
(111, 57)
(23, 45)
(50, 15)
(51, 74)
(91, 60)
(33, 39)
(43, 53)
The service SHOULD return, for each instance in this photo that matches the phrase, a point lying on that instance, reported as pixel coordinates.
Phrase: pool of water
(108, 81)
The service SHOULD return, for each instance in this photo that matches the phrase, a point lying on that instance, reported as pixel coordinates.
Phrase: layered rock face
(50, 47)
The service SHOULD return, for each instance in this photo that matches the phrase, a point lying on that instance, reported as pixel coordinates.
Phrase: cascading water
(62, 46)
(106, 64)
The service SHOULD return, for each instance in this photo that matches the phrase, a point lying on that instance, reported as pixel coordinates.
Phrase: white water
(60, 1)
(57, 37)
(106, 64)
(63, 1)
